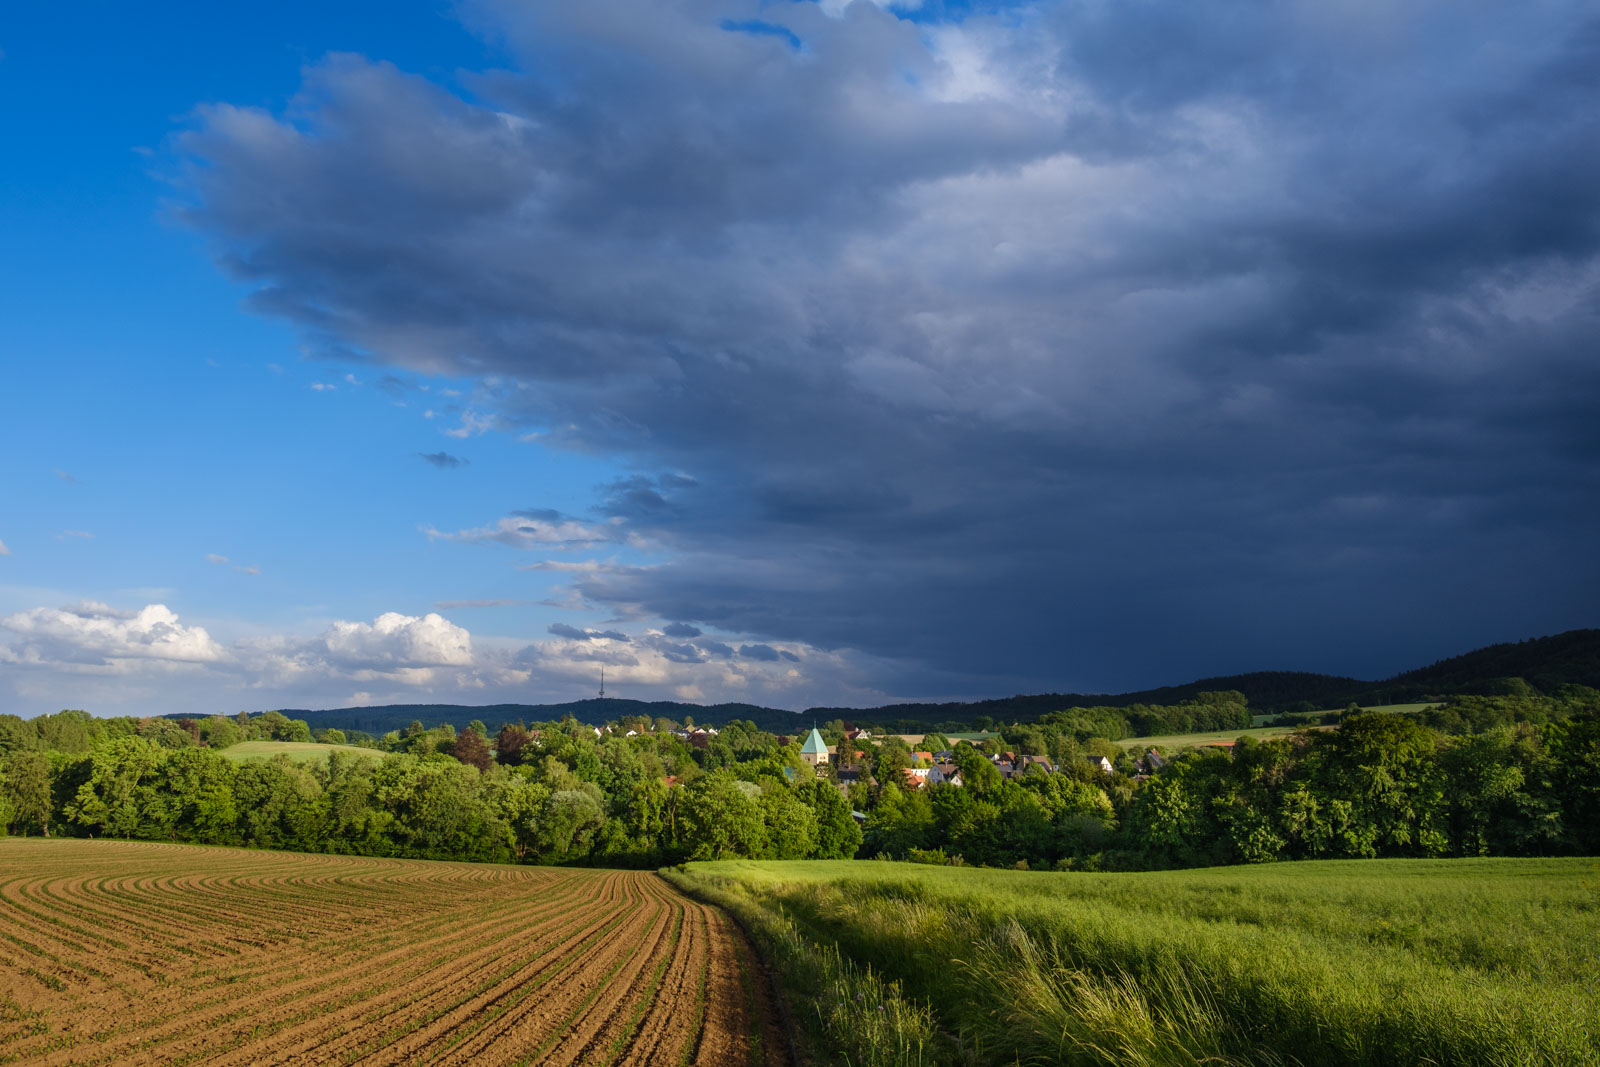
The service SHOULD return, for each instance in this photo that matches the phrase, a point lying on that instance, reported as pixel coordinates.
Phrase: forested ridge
(1507, 775)
(1541, 664)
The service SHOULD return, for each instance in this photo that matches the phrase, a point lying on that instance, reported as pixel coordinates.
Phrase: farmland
(1372, 962)
(138, 953)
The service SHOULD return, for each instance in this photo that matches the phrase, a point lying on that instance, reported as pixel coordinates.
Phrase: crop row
(138, 953)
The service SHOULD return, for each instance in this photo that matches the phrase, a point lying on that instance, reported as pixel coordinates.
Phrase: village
(847, 763)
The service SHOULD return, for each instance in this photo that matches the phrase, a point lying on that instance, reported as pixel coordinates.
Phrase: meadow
(1369, 962)
(118, 952)
(298, 751)
(1170, 743)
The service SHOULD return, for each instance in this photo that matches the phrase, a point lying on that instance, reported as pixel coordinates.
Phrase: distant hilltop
(1538, 665)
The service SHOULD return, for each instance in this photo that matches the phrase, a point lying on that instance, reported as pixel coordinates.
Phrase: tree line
(552, 794)
(1512, 775)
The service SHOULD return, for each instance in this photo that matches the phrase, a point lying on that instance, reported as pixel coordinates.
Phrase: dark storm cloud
(442, 460)
(1071, 345)
(680, 629)
(765, 653)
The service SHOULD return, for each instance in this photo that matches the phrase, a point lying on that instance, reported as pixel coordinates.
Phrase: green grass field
(1312, 716)
(299, 751)
(1369, 962)
(1173, 742)
(1402, 709)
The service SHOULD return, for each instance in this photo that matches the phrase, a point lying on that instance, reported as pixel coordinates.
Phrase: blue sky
(144, 407)
(957, 351)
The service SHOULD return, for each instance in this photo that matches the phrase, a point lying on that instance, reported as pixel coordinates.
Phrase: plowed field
(134, 953)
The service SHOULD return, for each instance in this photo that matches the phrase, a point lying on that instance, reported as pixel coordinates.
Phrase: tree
(119, 797)
(1383, 766)
(721, 820)
(901, 821)
(977, 773)
(521, 804)
(219, 732)
(838, 836)
(1575, 751)
(568, 824)
(17, 735)
(200, 785)
(471, 748)
(72, 732)
(25, 788)
(277, 804)
(791, 826)
(893, 759)
(509, 743)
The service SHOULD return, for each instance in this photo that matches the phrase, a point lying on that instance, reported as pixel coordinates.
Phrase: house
(1041, 762)
(948, 773)
(944, 757)
(922, 757)
(814, 751)
(672, 780)
(1154, 761)
(912, 779)
(859, 735)
(631, 733)
(1101, 764)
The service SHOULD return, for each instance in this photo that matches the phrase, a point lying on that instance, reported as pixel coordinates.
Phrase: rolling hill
(1543, 664)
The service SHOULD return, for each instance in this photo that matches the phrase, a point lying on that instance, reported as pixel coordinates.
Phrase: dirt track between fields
(137, 953)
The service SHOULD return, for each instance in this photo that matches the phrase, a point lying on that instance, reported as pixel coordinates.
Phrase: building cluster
(932, 768)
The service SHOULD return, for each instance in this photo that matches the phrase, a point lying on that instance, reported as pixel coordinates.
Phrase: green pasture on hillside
(1371, 962)
(1308, 717)
(1173, 742)
(1403, 709)
(299, 751)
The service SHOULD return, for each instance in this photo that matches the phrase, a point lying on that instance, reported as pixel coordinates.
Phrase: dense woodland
(1506, 775)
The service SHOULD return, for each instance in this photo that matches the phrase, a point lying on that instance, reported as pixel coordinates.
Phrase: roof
(814, 745)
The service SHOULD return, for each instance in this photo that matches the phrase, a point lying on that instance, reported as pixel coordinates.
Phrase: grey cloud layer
(1075, 345)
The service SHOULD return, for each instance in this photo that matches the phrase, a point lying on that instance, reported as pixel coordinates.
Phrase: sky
(794, 353)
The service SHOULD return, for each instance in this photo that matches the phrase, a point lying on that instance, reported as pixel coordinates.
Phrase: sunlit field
(299, 751)
(1334, 962)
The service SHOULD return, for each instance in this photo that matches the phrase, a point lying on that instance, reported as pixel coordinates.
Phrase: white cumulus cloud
(399, 641)
(94, 634)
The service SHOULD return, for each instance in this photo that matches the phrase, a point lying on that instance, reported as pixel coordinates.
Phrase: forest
(1509, 776)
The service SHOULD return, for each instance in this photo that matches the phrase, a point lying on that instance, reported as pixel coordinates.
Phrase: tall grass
(1360, 962)
(848, 1013)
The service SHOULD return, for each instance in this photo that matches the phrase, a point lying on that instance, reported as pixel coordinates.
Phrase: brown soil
(137, 953)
